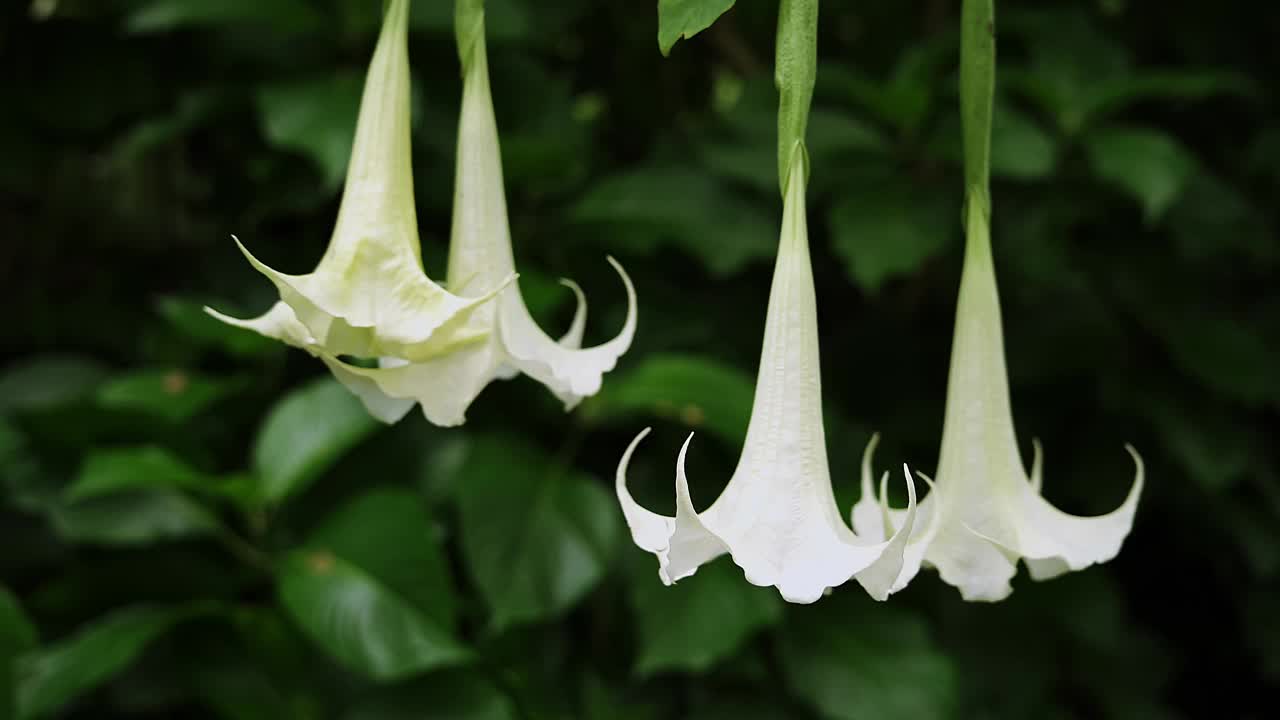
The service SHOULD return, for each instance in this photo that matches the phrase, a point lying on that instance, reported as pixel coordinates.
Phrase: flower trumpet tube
(480, 257)
(777, 517)
(985, 511)
(369, 296)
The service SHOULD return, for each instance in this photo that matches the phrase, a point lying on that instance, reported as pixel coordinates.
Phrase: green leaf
(1020, 149)
(885, 229)
(387, 533)
(17, 636)
(304, 434)
(148, 467)
(535, 536)
(359, 621)
(169, 15)
(699, 621)
(48, 381)
(705, 218)
(700, 393)
(53, 676)
(852, 658)
(686, 18)
(1150, 165)
(315, 117)
(443, 696)
(133, 518)
(174, 395)
(189, 318)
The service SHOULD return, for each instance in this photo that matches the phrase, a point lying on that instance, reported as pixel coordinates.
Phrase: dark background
(197, 523)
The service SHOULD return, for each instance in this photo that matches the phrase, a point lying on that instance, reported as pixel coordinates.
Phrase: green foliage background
(196, 523)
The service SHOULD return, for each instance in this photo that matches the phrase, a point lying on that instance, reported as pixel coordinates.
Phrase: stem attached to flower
(977, 91)
(468, 27)
(797, 66)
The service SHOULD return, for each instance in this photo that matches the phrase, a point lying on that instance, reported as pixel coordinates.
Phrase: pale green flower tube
(480, 258)
(369, 296)
(777, 517)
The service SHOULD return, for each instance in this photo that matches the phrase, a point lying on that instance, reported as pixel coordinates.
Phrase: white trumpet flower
(985, 512)
(369, 296)
(480, 257)
(777, 517)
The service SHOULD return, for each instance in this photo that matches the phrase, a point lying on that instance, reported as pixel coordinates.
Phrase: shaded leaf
(169, 15)
(53, 676)
(360, 622)
(1019, 147)
(443, 696)
(700, 620)
(172, 395)
(305, 433)
(852, 658)
(387, 533)
(536, 537)
(1150, 165)
(696, 391)
(315, 117)
(685, 18)
(885, 229)
(48, 381)
(645, 208)
(133, 518)
(147, 467)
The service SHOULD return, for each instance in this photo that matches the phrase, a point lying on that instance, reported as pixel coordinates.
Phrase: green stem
(468, 27)
(977, 91)
(797, 66)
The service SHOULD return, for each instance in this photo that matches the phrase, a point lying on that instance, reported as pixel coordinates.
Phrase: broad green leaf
(52, 676)
(305, 433)
(359, 621)
(388, 533)
(1150, 165)
(147, 467)
(886, 229)
(705, 218)
(535, 536)
(700, 393)
(452, 695)
(133, 518)
(699, 621)
(315, 117)
(17, 636)
(685, 18)
(168, 15)
(1020, 149)
(851, 658)
(171, 395)
(189, 318)
(47, 381)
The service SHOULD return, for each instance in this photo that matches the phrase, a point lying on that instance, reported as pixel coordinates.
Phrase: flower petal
(885, 575)
(380, 405)
(572, 338)
(1053, 542)
(571, 373)
(278, 323)
(649, 530)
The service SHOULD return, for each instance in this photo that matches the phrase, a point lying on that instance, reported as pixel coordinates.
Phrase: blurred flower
(984, 512)
(369, 296)
(480, 258)
(777, 516)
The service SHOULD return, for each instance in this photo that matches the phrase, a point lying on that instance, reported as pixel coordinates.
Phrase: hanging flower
(984, 512)
(480, 258)
(777, 517)
(369, 296)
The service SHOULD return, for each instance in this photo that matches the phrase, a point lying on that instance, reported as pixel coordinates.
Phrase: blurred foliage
(199, 524)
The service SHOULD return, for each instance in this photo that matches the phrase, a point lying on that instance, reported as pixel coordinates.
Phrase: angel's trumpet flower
(480, 258)
(777, 517)
(985, 512)
(369, 296)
